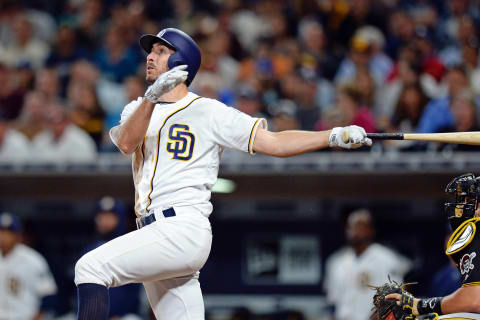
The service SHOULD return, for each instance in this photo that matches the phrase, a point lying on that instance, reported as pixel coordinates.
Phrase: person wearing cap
(363, 55)
(27, 287)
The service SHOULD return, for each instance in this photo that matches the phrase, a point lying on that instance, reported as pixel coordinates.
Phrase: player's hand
(404, 300)
(355, 136)
(166, 82)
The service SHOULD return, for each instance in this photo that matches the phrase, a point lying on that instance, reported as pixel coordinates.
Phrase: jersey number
(181, 142)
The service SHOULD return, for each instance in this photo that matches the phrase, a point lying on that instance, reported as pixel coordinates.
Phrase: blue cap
(109, 204)
(10, 222)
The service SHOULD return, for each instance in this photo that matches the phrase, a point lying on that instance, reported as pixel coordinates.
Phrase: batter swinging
(176, 139)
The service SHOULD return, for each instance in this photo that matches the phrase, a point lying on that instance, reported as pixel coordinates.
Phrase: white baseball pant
(165, 256)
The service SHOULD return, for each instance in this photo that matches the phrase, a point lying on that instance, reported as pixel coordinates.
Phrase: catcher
(393, 302)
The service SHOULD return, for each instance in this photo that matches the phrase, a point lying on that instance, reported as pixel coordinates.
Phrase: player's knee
(88, 270)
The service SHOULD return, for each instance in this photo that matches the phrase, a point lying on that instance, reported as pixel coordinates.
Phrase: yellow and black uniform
(464, 247)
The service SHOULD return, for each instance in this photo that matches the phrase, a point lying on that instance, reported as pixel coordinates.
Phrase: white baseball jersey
(178, 162)
(24, 280)
(347, 278)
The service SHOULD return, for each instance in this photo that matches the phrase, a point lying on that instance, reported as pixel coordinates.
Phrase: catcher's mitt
(388, 309)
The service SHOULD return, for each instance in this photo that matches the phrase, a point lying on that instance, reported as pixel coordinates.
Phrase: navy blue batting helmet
(186, 50)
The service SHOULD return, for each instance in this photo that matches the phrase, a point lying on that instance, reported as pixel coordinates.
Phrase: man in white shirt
(25, 278)
(176, 138)
(14, 145)
(352, 269)
(62, 142)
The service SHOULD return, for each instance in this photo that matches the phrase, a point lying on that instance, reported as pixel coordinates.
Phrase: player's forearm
(132, 132)
(465, 299)
(290, 143)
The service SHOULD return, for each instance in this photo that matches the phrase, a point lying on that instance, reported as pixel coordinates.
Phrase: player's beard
(150, 79)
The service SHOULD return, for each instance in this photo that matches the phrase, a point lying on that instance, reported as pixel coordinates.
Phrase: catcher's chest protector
(464, 248)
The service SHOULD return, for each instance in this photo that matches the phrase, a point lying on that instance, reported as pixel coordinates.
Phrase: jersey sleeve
(44, 283)
(234, 129)
(128, 110)
(464, 248)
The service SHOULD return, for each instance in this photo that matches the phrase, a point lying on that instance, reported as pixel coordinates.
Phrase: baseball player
(350, 270)
(26, 284)
(463, 247)
(176, 139)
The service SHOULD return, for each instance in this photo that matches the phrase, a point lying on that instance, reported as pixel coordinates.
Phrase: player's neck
(177, 93)
(6, 250)
(361, 248)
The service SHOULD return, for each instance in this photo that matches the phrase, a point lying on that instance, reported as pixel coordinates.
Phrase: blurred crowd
(67, 68)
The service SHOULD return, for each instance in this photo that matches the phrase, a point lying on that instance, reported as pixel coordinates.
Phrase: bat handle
(385, 136)
(378, 136)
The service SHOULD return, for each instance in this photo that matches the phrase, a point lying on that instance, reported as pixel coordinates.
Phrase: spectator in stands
(432, 67)
(358, 58)
(62, 142)
(320, 91)
(313, 42)
(14, 146)
(86, 112)
(283, 115)
(437, 113)
(365, 53)
(110, 94)
(11, 95)
(48, 83)
(224, 65)
(25, 48)
(408, 110)
(366, 86)
(65, 52)
(115, 59)
(465, 118)
(406, 116)
(249, 101)
(25, 78)
(380, 64)
(363, 262)
(32, 118)
(465, 34)
(133, 87)
(308, 113)
(111, 222)
(401, 31)
(355, 14)
(27, 287)
(407, 75)
(87, 19)
(456, 11)
(350, 110)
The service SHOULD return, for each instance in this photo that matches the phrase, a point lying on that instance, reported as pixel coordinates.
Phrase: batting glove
(350, 137)
(166, 82)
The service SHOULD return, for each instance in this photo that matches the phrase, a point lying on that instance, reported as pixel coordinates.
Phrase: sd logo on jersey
(181, 142)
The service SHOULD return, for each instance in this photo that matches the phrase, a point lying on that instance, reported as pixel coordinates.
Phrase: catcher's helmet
(186, 50)
(466, 190)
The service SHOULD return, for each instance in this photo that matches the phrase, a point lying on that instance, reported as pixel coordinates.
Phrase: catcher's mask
(465, 189)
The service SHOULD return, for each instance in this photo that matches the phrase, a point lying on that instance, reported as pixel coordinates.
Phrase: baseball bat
(471, 138)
